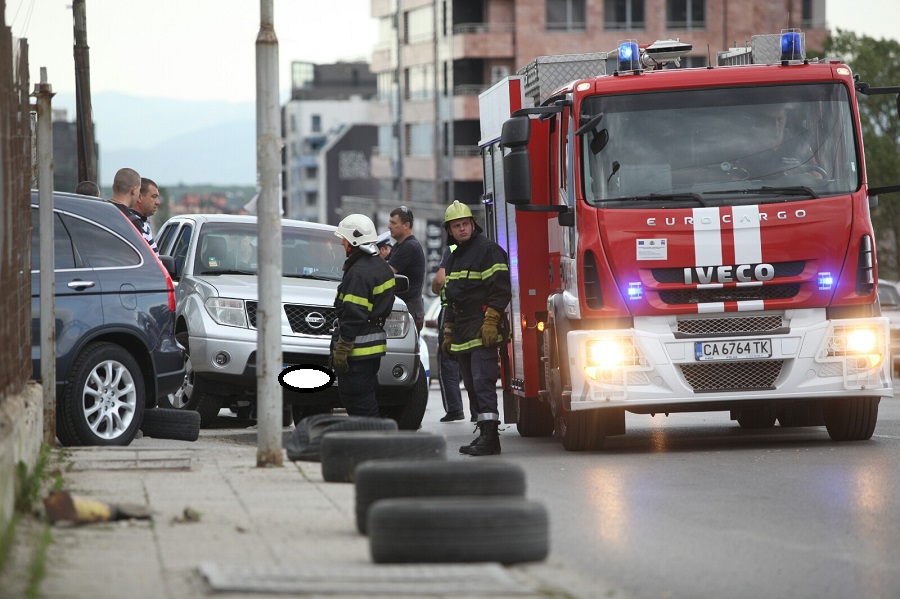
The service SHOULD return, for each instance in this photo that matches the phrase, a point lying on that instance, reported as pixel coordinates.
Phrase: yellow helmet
(457, 210)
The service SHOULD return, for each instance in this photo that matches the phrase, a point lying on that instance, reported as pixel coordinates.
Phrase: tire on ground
(852, 418)
(388, 479)
(305, 442)
(171, 423)
(508, 530)
(343, 451)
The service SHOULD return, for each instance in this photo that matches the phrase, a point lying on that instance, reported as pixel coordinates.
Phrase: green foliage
(877, 62)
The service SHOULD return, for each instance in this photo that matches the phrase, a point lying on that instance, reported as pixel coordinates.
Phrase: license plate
(740, 349)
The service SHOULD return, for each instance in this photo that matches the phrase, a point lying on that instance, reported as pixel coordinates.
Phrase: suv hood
(293, 290)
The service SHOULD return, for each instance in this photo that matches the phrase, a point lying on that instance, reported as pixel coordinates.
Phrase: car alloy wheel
(180, 398)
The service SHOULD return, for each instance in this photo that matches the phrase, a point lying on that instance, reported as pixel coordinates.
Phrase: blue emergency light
(826, 281)
(791, 45)
(629, 56)
(635, 291)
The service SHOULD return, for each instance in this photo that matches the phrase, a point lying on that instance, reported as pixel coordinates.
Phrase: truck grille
(732, 376)
(729, 326)
(317, 321)
(729, 294)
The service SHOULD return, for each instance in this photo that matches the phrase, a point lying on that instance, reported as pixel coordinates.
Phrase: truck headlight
(226, 311)
(396, 325)
(608, 354)
(859, 341)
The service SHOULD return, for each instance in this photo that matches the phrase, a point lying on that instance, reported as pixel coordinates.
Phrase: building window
(303, 75)
(565, 15)
(419, 139)
(419, 25)
(806, 16)
(316, 124)
(420, 82)
(686, 14)
(622, 15)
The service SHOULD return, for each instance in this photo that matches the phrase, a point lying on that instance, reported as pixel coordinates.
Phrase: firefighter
(477, 288)
(364, 299)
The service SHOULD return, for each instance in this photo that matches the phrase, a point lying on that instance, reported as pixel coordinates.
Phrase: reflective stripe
(477, 276)
(458, 347)
(368, 351)
(355, 299)
(384, 287)
(488, 416)
(371, 337)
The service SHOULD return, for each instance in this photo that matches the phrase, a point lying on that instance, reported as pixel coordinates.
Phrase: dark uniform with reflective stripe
(364, 299)
(477, 279)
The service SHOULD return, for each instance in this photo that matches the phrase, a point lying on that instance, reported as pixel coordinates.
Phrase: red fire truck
(686, 240)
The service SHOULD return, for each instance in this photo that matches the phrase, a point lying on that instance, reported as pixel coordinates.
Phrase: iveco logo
(315, 320)
(743, 273)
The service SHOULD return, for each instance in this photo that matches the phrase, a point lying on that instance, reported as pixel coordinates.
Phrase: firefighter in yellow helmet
(364, 299)
(477, 288)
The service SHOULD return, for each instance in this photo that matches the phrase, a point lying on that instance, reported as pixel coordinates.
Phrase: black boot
(487, 443)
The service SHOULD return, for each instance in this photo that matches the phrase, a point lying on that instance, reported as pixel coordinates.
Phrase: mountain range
(172, 141)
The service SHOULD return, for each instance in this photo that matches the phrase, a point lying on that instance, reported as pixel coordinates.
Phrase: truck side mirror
(514, 137)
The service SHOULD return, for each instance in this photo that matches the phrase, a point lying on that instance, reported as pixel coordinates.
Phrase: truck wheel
(206, 404)
(756, 418)
(508, 530)
(583, 430)
(168, 423)
(410, 413)
(388, 479)
(342, 452)
(533, 417)
(851, 419)
(103, 399)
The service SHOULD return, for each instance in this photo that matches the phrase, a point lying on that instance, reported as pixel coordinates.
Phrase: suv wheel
(409, 414)
(103, 399)
(179, 399)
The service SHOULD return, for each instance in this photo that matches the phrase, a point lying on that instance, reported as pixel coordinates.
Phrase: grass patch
(39, 564)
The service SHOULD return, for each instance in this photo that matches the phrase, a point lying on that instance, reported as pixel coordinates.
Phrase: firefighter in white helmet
(478, 290)
(364, 299)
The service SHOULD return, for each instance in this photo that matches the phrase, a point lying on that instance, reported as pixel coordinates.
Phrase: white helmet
(357, 229)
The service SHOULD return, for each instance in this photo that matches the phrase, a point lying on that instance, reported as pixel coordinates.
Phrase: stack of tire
(418, 507)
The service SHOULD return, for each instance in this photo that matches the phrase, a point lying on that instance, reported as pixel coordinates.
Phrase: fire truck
(686, 240)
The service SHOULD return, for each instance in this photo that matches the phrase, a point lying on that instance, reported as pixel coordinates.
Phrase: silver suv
(216, 301)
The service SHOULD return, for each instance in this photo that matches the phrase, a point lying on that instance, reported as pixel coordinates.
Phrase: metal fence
(15, 214)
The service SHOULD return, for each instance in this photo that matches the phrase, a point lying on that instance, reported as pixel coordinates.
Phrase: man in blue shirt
(408, 258)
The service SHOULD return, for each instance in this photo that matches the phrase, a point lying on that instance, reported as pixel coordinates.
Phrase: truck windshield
(727, 146)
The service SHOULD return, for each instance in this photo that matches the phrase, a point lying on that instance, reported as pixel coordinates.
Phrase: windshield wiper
(794, 190)
(313, 276)
(663, 197)
(229, 272)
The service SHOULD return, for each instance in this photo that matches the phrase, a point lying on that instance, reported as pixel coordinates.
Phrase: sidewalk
(258, 532)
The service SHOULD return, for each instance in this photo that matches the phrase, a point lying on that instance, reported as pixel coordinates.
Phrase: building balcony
(380, 113)
(381, 8)
(483, 40)
(418, 111)
(382, 59)
(418, 53)
(465, 101)
(381, 167)
(418, 167)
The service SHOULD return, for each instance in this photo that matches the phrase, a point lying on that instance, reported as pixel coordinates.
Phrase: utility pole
(268, 316)
(84, 119)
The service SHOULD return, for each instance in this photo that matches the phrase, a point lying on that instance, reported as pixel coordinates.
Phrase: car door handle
(80, 285)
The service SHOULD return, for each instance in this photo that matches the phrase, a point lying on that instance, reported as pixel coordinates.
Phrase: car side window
(162, 240)
(100, 247)
(64, 254)
(180, 250)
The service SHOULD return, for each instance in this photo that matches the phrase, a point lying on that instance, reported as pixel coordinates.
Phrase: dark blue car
(116, 353)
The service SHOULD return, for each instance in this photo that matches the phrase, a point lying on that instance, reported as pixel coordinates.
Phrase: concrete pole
(43, 92)
(268, 316)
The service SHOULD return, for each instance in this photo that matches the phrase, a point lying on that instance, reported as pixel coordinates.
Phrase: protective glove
(448, 338)
(489, 328)
(339, 358)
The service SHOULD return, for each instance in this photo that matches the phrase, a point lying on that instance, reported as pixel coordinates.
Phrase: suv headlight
(396, 325)
(226, 311)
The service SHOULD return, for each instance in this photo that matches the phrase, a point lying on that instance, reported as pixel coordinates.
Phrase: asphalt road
(691, 506)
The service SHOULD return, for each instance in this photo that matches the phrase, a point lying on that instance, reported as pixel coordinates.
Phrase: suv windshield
(752, 144)
(231, 248)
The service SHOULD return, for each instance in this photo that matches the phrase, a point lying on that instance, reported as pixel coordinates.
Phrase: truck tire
(583, 430)
(343, 451)
(388, 479)
(851, 419)
(169, 423)
(534, 418)
(410, 413)
(508, 530)
(305, 442)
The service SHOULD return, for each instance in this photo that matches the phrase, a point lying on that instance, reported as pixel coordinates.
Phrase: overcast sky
(205, 49)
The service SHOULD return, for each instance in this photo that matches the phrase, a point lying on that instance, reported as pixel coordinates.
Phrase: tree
(877, 62)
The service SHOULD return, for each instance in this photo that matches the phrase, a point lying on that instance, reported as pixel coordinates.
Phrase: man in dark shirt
(126, 187)
(408, 258)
